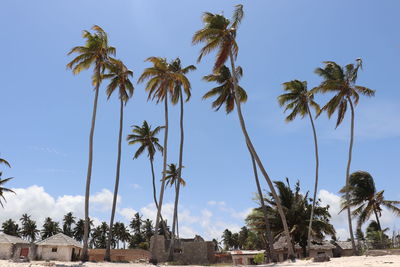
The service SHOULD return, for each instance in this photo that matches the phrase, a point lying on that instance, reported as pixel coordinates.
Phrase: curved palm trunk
(85, 255)
(178, 185)
(153, 246)
(316, 180)
(270, 243)
(155, 197)
(259, 163)
(107, 256)
(353, 243)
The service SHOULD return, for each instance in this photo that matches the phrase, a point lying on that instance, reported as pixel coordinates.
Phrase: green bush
(259, 258)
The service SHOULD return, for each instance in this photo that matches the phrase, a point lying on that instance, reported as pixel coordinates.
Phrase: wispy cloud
(47, 150)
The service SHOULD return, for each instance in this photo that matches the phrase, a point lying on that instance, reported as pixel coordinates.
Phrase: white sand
(362, 261)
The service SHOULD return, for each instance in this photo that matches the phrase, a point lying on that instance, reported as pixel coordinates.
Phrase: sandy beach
(362, 261)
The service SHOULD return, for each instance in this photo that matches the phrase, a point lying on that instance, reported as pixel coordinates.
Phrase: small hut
(281, 249)
(13, 247)
(343, 249)
(59, 247)
(321, 248)
(245, 257)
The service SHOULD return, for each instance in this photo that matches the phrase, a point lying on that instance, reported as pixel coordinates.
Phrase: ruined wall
(314, 252)
(120, 255)
(5, 251)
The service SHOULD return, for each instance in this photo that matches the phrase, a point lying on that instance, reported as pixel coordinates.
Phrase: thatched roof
(344, 244)
(324, 245)
(4, 238)
(281, 244)
(59, 240)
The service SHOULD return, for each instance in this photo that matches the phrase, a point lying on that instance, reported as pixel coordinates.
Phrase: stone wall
(120, 255)
(315, 252)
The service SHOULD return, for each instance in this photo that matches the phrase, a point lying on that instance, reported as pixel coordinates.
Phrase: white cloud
(136, 186)
(127, 213)
(340, 221)
(35, 201)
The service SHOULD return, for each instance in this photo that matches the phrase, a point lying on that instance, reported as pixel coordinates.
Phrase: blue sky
(47, 111)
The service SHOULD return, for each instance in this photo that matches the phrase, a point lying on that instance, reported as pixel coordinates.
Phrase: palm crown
(95, 51)
(172, 176)
(341, 81)
(176, 67)
(365, 198)
(225, 91)
(119, 77)
(147, 139)
(297, 99)
(219, 33)
(161, 80)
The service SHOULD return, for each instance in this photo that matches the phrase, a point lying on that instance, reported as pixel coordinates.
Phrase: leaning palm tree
(219, 33)
(161, 81)
(96, 52)
(366, 200)
(119, 75)
(177, 95)
(341, 82)
(225, 96)
(298, 100)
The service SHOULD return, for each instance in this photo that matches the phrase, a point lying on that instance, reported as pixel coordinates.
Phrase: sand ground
(362, 261)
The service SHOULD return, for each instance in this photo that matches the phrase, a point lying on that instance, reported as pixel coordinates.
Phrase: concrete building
(13, 247)
(245, 257)
(59, 247)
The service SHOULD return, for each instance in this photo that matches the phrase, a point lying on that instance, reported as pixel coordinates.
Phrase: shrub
(259, 258)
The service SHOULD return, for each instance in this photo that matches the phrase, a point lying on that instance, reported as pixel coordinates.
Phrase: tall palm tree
(219, 33)
(366, 200)
(341, 82)
(119, 78)
(96, 52)
(177, 95)
(161, 81)
(148, 140)
(298, 100)
(68, 221)
(224, 94)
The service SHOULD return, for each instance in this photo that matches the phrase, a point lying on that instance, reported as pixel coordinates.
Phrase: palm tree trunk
(85, 255)
(107, 256)
(316, 180)
(155, 196)
(259, 163)
(353, 244)
(270, 243)
(153, 247)
(178, 185)
(377, 220)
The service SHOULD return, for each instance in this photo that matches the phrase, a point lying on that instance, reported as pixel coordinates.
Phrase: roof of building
(324, 245)
(59, 240)
(344, 244)
(4, 238)
(282, 244)
(247, 252)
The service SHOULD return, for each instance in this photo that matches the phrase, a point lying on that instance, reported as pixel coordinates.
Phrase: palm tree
(79, 229)
(4, 189)
(161, 81)
(96, 51)
(147, 229)
(50, 228)
(177, 95)
(219, 34)
(119, 78)
(10, 227)
(30, 230)
(298, 99)
(147, 139)
(341, 82)
(224, 94)
(366, 200)
(68, 221)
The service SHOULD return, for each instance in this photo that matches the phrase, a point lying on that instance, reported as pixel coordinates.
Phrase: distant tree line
(136, 235)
